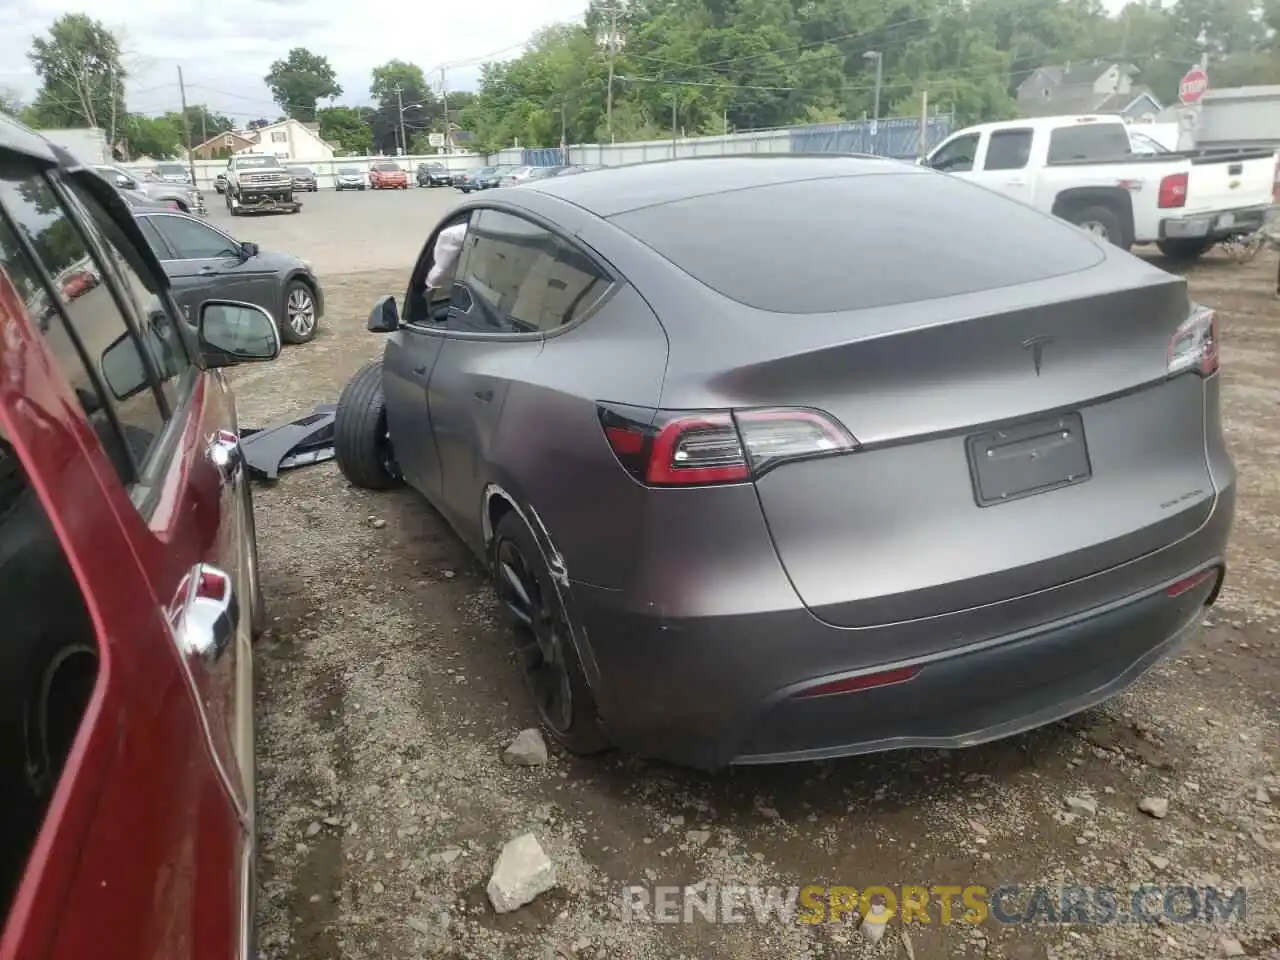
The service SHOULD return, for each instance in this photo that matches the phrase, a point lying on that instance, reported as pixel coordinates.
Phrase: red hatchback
(128, 587)
(385, 175)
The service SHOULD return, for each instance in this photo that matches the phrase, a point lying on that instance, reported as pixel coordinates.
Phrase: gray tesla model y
(778, 458)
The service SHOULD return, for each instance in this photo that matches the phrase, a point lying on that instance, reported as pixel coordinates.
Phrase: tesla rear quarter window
(851, 243)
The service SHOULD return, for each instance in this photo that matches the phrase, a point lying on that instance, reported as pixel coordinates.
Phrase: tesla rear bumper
(699, 694)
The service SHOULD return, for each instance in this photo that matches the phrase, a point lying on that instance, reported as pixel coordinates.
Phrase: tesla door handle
(208, 270)
(484, 396)
(420, 371)
(225, 453)
(207, 616)
(1015, 183)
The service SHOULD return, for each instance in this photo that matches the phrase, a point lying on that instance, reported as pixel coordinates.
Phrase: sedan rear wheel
(544, 647)
(300, 314)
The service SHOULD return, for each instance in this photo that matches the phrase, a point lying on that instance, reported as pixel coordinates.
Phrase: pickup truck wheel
(1185, 250)
(361, 440)
(1101, 222)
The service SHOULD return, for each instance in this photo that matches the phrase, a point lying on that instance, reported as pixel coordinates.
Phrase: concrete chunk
(522, 873)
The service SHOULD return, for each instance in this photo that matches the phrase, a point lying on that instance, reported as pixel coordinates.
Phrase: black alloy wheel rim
(387, 454)
(540, 635)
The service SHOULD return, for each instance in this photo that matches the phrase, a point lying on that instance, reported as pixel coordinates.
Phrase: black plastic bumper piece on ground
(300, 443)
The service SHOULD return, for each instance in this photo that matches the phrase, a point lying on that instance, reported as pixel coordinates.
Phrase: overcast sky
(226, 47)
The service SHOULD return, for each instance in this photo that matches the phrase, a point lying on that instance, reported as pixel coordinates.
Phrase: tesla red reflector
(623, 441)
(866, 681)
(1190, 583)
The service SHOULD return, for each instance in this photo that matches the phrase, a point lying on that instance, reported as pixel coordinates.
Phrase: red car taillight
(683, 448)
(1195, 344)
(1173, 191)
(173, 205)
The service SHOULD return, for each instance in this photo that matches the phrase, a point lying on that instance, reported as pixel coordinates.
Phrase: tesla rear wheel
(299, 313)
(544, 648)
(361, 440)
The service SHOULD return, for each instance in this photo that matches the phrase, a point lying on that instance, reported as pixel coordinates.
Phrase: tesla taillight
(679, 448)
(1173, 191)
(1195, 344)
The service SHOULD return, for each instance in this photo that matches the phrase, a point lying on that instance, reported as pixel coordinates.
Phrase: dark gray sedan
(203, 263)
(771, 460)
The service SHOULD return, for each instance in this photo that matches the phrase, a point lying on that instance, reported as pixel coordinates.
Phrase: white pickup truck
(1086, 170)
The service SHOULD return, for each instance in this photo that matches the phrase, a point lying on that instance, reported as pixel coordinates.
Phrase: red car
(385, 175)
(128, 587)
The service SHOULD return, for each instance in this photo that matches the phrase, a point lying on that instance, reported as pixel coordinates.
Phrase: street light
(878, 57)
(404, 144)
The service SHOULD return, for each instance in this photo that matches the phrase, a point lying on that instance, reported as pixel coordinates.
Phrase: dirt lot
(387, 696)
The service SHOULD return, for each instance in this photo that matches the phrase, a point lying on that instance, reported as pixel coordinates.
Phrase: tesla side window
(1008, 150)
(507, 263)
(571, 286)
(79, 301)
(956, 156)
(192, 240)
(147, 308)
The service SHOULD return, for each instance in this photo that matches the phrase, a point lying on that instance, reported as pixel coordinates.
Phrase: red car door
(146, 849)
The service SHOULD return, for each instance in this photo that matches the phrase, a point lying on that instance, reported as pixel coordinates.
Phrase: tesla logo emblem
(1036, 345)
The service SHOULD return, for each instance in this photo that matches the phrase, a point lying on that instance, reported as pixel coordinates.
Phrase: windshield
(300, 171)
(349, 172)
(245, 163)
(386, 168)
(171, 169)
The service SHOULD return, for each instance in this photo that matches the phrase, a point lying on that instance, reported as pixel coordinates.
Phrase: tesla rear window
(850, 243)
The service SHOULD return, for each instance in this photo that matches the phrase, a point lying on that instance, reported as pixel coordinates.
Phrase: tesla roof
(614, 190)
(17, 138)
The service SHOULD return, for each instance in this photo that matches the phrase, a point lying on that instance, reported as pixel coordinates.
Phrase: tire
(299, 304)
(540, 626)
(1185, 250)
(361, 443)
(1102, 222)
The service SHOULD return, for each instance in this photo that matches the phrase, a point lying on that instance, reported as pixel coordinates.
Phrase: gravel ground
(387, 696)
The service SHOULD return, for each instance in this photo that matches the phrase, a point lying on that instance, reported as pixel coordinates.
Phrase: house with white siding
(290, 141)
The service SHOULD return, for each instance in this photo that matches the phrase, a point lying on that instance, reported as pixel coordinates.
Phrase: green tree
(82, 80)
(301, 79)
(344, 125)
(205, 123)
(421, 109)
(157, 137)
(11, 103)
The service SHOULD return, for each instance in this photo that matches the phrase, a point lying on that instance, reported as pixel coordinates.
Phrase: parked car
(1086, 170)
(304, 180)
(578, 168)
(181, 196)
(827, 485)
(350, 178)
(434, 175)
(171, 173)
(490, 177)
(128, 585)
(466, 182)
(203, 262)
(515, 175)
(220, 184)
(387, 175)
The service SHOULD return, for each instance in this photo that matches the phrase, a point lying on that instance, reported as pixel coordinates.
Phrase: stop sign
(1193, 85)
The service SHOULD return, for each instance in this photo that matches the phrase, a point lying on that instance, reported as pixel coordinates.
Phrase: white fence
(326, 170)
(643, 151)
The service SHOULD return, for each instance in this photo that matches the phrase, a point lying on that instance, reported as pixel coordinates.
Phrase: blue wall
(897, 137)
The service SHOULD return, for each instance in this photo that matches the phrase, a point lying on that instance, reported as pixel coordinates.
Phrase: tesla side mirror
(385, 316)
(248, 250)
(125, 183)
(231, 332)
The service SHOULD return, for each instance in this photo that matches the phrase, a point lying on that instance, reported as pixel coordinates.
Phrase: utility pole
(875, 122)
(204, 123)
(564, 135)
(674, 119)
(111, 136)
(923, 150)
(444, 96)
(404, 144)
(613, 53)
(186, 126)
